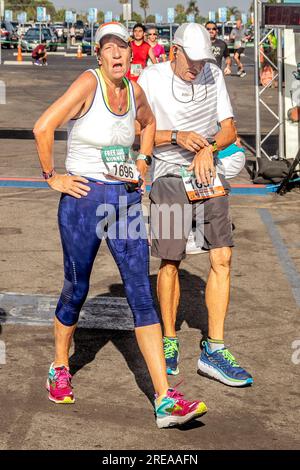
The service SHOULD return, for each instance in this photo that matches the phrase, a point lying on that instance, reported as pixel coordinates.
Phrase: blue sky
(156, 6)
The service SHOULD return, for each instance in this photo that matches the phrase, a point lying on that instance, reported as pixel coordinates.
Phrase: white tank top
(96, 129)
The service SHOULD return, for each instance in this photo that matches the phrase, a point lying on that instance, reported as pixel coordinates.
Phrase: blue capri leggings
(108, 210)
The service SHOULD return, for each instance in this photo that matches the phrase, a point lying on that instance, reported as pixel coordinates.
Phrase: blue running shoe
(171, 351)
(222, 366)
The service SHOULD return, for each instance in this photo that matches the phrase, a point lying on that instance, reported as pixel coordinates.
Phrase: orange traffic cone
(79, 52)
(19, 56)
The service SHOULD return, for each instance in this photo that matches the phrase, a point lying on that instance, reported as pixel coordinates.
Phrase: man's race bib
(119, 164)
(136, 70)
(197, 191)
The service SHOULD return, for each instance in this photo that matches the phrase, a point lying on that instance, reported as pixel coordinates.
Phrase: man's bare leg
(218, 291)
(216, 361)
(168, 293)
(238, 61)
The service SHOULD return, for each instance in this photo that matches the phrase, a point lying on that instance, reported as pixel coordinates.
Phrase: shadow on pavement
(88, 342)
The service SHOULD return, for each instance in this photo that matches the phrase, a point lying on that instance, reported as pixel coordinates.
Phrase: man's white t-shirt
(177, 105)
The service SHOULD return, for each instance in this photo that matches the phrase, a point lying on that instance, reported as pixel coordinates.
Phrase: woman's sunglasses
(152, 34)
(211, 29)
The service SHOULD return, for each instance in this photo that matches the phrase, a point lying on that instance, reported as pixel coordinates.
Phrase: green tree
(193, 8)
(201, 19)
(29, 6)
(60, 15)
(144, 5)
(150, 19)
(180, 13)
(100, 17)
(136, 17)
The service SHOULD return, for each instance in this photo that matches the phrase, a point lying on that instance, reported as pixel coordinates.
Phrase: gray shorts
(173, 217)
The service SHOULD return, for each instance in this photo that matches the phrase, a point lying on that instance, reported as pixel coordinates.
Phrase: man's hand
(191, 141)
(142, 168)
(68, 184)
(203, 166)
(227, 70)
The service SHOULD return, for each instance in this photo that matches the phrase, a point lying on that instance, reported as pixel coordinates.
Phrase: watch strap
(146, 158)
(214, 146)
(49, 175)
(174, 137)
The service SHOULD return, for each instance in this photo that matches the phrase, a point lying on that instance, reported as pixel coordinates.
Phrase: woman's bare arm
(73, 103)
(147, 124)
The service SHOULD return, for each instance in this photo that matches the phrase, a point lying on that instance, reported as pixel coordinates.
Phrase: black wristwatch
(174, 137)
(146, 158)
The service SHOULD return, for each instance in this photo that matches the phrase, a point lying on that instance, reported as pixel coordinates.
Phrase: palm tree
(233, 11)
(193, 8)
(144, 5)
(179, 9)
(180, 13)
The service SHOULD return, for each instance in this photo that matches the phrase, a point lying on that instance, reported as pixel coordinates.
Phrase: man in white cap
(194, 120)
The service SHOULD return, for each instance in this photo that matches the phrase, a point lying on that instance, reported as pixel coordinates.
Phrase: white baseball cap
(195, 40)
(113, 29)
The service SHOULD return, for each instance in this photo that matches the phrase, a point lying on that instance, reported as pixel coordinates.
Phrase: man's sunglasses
(211, 29)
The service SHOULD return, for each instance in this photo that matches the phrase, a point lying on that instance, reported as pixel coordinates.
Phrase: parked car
(49, 33)
(59, 30)
(66, 31)
(87, 39)
(15, 24)
(9, 35)
(44, 24)
(22, 29)
(79, 29)
(32, 38)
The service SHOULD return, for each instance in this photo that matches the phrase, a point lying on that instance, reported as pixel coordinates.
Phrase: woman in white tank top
(100, 108)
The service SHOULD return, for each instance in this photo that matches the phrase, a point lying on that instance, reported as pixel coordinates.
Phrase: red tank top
(139, 59)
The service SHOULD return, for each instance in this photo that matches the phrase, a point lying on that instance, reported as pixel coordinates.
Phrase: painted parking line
(107, 313)
(282, 252)
(238, 189)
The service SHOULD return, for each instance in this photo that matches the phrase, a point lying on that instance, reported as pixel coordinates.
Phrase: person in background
(141, 51)
(239, 37)
(72, 35)
(39, 55)
(219, 47)
(233, 159)
(158, 49)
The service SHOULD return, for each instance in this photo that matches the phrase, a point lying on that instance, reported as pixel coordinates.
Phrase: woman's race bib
(119, 163)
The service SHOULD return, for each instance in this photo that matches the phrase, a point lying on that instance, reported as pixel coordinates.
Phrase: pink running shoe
(59, 385)
(174, 410)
